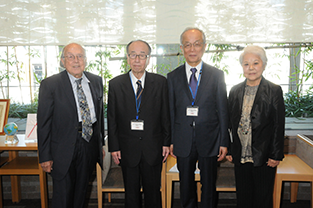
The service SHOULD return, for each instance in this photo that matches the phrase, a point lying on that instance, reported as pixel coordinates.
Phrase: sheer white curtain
(94, 22)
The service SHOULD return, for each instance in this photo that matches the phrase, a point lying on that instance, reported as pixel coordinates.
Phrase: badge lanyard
(137, 105)
(194, 95)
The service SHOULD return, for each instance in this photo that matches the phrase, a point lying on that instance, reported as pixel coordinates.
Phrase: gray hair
(62, 54)
(149, 47)
(256, 50)
(192, 28)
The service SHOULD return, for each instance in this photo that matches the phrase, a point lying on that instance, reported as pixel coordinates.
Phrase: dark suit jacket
(211, 124)
(58, 120)
(153, 110)
(267, 120)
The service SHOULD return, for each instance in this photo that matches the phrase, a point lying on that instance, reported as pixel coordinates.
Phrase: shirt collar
(73, 79)
(198, 67)
(134, 79)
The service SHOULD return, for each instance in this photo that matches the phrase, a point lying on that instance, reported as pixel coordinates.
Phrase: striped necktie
(193, 81)
(138, 93)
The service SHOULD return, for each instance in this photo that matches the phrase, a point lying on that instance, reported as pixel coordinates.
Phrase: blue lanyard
(137, 105)
(194, 95)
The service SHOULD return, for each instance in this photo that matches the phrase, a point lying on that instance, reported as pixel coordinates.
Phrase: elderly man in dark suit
(70, 127)
(139, 126)
(199, 120)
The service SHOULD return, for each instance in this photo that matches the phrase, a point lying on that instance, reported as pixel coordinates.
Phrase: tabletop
(21, 145)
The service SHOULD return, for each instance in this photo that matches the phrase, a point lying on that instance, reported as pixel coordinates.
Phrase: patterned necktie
(138, 93)
(84, 111)
(193, 81)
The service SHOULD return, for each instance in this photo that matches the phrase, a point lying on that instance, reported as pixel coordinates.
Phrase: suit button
(140, 138)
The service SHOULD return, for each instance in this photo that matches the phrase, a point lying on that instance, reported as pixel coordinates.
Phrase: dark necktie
(138, 93)
(84, 111)
(193, 81)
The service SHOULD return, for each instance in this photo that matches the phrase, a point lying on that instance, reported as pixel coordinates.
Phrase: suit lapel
(182, 79)
(68, 89)
(129, 90)
(148, 88)
(204, 81)
(260, 91)
(241, 94)
(94, 92)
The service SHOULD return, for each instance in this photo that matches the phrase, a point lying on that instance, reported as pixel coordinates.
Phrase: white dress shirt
(189, 73)
(87, 92)
(134, 80)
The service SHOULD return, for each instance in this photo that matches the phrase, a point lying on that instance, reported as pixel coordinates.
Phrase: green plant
(32, 53)
(100, 64)
(105, 110)
(4, 73)
(19, 71)
(219, 55)
(297, 102)
(298, 106)
(301, 75)
(18, 110)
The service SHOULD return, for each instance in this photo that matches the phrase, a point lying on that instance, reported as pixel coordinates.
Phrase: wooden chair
(110, 180)
(292, 169)
(225, 180)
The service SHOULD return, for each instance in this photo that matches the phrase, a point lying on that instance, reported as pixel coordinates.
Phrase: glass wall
(23, 67)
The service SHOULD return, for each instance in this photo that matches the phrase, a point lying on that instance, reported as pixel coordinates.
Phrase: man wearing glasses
(70, 127)
(139, 127)
(199, 120)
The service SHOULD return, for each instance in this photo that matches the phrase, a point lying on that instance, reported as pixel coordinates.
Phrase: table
(17, 166)
(292, 169)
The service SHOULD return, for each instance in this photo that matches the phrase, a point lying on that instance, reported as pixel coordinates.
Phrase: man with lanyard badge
(199, 120)
(139, 126)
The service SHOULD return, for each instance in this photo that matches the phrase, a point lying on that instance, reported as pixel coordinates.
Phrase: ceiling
(94, 22)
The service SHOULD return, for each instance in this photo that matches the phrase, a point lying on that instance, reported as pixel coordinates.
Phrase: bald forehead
(138, 45)
(193, 31)
(74, 46)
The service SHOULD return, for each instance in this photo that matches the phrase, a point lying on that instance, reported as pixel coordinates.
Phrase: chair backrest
(170, 162)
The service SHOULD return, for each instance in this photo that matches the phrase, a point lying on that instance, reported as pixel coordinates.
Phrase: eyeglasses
(141, 56)
(72, 57)
(196, 45)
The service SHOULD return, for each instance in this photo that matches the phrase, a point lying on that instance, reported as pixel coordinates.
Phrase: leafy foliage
(299, 106)
(18, 110)
(101, 66)
(299, 103)
(219, 55)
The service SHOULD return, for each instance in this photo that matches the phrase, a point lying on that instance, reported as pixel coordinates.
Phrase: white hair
(256, 50)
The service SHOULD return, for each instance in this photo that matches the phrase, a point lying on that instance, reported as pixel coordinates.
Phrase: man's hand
(47, 166)
(171, 151)
(272, 163)
(229, 158)
(116, 157)
(222, 153)
(166, 152)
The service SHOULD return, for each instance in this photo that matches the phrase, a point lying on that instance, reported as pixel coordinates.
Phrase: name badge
(137, 125)
(192, 110)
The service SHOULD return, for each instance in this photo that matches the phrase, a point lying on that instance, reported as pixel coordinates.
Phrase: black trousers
(208, 174)
(146, 176)
(70, 192)
(254, 185)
